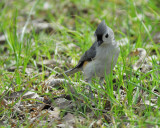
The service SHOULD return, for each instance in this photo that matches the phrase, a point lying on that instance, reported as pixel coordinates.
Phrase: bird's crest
(101, 29)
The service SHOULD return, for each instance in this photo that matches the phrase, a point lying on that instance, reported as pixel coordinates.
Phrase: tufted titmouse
(102, 56)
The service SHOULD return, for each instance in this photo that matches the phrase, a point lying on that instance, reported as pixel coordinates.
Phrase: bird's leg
(101, 82)
(90, 90)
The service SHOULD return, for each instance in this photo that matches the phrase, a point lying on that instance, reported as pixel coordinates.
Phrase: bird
(100, 58)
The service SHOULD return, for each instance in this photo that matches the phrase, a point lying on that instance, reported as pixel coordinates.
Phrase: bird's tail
(68, 72)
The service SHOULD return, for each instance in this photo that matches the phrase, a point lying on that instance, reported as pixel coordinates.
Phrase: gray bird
(101, 58)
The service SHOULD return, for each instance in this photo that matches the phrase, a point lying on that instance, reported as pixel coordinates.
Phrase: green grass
(74, 23)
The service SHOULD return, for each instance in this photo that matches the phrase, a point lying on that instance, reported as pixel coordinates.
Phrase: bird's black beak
(100, 42)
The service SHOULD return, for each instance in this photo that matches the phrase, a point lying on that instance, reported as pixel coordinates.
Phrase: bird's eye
(106, 35)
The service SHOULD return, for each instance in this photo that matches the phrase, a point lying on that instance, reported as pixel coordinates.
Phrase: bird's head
(104, 34)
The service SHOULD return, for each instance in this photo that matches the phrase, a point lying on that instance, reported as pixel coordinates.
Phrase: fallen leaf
(69, 118)
(58, 82)
(68, 121)
(123, 42)
(62, 103)
(30, 94)
(2, 39)
(142, 54)
(55, 113)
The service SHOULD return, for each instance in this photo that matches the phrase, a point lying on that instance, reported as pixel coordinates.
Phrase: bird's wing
(88, 55)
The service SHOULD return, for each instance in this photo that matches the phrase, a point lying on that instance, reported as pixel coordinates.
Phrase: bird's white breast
(105, 60)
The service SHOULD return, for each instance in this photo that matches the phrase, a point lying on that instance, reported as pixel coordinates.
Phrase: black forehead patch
(99, 37)
(101, 29)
